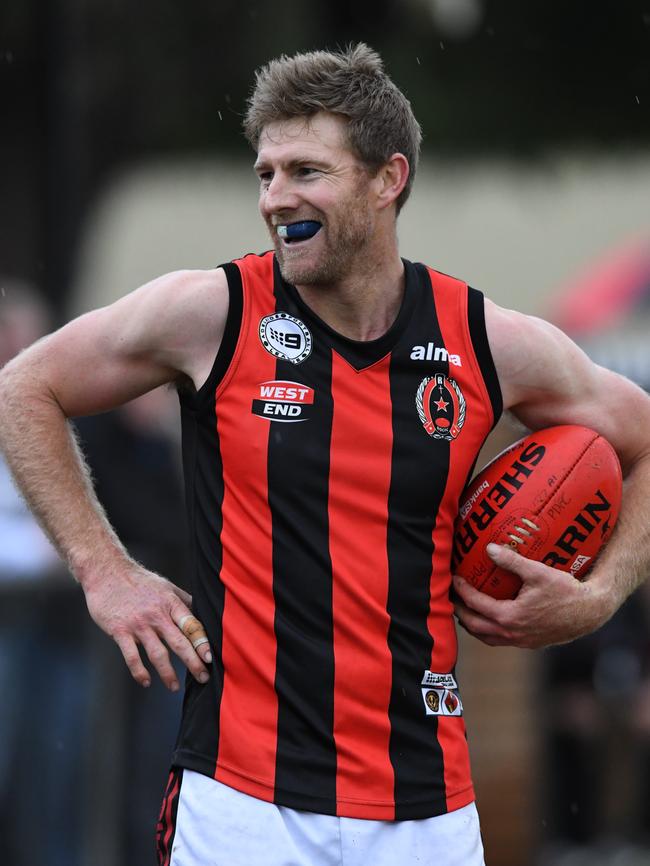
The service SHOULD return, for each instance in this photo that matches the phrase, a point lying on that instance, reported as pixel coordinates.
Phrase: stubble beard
(345, 241)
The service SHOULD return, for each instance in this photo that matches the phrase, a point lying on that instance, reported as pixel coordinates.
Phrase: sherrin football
(554, 496)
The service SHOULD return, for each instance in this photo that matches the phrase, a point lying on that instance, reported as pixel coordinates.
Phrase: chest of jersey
(369, 427)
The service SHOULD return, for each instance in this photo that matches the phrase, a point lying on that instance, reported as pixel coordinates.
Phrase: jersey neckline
(359, 353)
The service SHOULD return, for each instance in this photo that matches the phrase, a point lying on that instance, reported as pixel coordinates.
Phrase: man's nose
(278, 195)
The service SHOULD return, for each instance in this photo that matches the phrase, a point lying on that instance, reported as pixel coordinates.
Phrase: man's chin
(296, 276)
(300, 272)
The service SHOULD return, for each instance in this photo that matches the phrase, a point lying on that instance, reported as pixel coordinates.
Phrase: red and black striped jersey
(323, 477)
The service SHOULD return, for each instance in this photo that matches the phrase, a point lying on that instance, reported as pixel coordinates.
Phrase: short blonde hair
(350, 83)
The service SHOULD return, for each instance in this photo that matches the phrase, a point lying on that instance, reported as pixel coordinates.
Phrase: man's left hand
(552, 607)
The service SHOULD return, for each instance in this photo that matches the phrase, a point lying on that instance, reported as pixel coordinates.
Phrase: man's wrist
(604, 597)
(90, 567)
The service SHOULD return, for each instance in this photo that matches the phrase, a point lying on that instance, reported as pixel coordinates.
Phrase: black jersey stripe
(230, 335)
(233, 324)
(481, 346)
(198, 744)
(419, 474)
(302, 586)
(478, 334)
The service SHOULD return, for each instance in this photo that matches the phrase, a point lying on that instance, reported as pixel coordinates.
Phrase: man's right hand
(141, 608)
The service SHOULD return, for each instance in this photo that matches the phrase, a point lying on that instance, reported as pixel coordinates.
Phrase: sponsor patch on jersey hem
(439, 681)
(440, 695)
(442, 702)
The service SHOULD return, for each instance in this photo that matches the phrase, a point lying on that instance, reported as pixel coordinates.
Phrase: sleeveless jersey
(323, 477)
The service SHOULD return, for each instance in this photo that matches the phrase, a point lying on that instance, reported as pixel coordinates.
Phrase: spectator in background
(50, 811)
(596, 690)
(42, 666)
(596, 717)
(25, 552)
(134, 460)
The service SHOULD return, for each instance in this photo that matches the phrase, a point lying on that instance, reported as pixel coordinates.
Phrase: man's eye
(305, 171)
(265, 177)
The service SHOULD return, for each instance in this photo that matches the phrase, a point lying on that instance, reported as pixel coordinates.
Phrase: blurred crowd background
(121, 158)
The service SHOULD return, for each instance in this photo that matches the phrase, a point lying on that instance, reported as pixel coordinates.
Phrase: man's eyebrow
(306, 160)
(298, 162)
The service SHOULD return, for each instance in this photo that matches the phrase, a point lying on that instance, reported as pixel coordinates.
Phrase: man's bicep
(548, 380)
(159, 333)
(85, 369)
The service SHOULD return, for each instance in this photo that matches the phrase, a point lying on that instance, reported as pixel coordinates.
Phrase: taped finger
(193, 630)
(191, 627)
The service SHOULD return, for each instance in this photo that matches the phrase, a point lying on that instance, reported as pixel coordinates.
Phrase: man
(324, 458)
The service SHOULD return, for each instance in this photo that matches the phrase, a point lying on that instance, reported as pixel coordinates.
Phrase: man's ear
(391, 180)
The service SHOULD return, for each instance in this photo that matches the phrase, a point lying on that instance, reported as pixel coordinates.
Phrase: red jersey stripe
(360, 461)
(248, 634)
(457, 765)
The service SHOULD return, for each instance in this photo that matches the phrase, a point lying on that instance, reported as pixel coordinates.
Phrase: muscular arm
(546, 380)
(168, 329)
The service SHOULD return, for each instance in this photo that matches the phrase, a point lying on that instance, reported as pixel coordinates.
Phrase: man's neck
(365, 303)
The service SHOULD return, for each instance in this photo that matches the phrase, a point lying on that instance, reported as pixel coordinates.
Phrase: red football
(554, 496)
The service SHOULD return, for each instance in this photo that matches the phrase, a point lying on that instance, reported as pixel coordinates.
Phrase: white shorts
(206, 823)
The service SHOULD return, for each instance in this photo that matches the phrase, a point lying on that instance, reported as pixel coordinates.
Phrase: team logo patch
(441, 407)
(281, 400)
(442, 702)
(440, 695)
(432, 700)
(286, 337)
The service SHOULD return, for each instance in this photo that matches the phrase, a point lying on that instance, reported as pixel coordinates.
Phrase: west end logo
(441, 407)
(280, 400)
(431, 352)
(285, 337)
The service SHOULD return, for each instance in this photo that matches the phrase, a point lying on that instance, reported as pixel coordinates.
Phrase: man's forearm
(625, 563)
(42, 452)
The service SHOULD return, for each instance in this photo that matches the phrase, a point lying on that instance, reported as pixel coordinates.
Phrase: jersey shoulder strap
(245, 277)
(461, 310)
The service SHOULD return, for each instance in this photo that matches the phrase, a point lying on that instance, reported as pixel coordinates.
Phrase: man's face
(307, 173)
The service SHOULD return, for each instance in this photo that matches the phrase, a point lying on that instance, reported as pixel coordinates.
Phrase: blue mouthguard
(300, 231)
